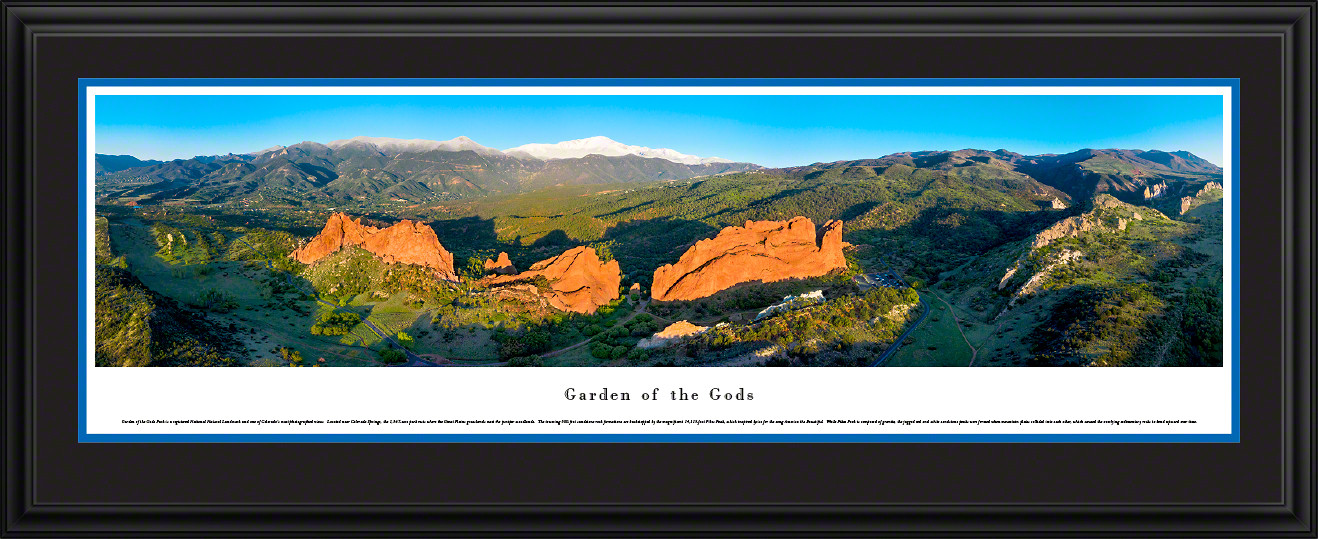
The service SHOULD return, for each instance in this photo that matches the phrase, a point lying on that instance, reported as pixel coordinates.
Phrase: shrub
(216, 300)
(526, 361)
(290, 355)
(335, 323)
(391, 356)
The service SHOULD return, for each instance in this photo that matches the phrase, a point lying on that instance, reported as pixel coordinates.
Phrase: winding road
(898, 343)
(413, 360)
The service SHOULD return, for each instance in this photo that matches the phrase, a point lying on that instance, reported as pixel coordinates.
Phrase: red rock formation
(407, 242)
(410, 242)
(339, 230)
(762, 251)
(578, 280)
(501, 266)
(673, 333)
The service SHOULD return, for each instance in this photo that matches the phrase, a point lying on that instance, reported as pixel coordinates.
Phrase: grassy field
(470, 343)
(392, 317)
(260, 322)
(398, 313)
(264, 322)
(972, 323)
(939, 332)
(577, 357)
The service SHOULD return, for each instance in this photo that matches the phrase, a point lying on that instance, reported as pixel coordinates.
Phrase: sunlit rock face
(762, 251)
(407, 242)
(578, 280)
(501, 265)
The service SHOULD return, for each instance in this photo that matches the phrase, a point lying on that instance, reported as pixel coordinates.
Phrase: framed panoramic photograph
(861, 233)
(835, 237)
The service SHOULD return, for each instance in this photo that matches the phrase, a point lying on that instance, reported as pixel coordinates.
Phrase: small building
(792, 302)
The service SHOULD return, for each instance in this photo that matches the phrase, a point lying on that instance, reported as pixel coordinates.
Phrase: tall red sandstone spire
(406, 242)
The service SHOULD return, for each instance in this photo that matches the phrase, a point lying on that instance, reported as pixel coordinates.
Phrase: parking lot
(888, 279)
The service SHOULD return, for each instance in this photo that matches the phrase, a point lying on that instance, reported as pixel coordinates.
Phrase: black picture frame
(1262, 486)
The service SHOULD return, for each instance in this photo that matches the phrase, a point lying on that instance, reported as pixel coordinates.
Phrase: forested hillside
(1093, 258)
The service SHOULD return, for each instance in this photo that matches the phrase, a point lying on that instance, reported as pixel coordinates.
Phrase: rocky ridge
(1070, 227)
(1039, 277)
(406, 242)
(1155, 191)
(760, 251)
(578, 281)
(1188, 202)
(673, 333)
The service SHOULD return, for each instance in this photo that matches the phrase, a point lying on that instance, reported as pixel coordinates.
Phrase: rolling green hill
(1139, 288)
(136, 327)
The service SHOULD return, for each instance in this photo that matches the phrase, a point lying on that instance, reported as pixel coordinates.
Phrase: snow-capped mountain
(274, 148)
(395, 145)
(568, 149)
(605, 146)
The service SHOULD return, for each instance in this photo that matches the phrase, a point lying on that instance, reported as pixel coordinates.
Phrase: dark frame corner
(26, 24)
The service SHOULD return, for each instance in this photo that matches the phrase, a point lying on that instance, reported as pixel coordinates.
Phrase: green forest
(1018, 264)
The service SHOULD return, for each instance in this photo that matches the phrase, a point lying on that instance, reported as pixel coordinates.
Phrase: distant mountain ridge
(1178, 161)
(397, 146)
(567, 149)
(1082, 174)
(409, 170)
(416, 170)
(115, 163)
(607, 147)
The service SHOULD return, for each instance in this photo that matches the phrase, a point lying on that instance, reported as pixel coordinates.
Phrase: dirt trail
(973, 351)
(640, 308)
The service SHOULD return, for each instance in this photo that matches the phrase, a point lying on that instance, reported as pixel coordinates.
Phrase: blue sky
(768, 130)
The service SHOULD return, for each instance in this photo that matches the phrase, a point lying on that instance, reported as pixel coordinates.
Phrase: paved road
(413, 360)
(898, 343)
